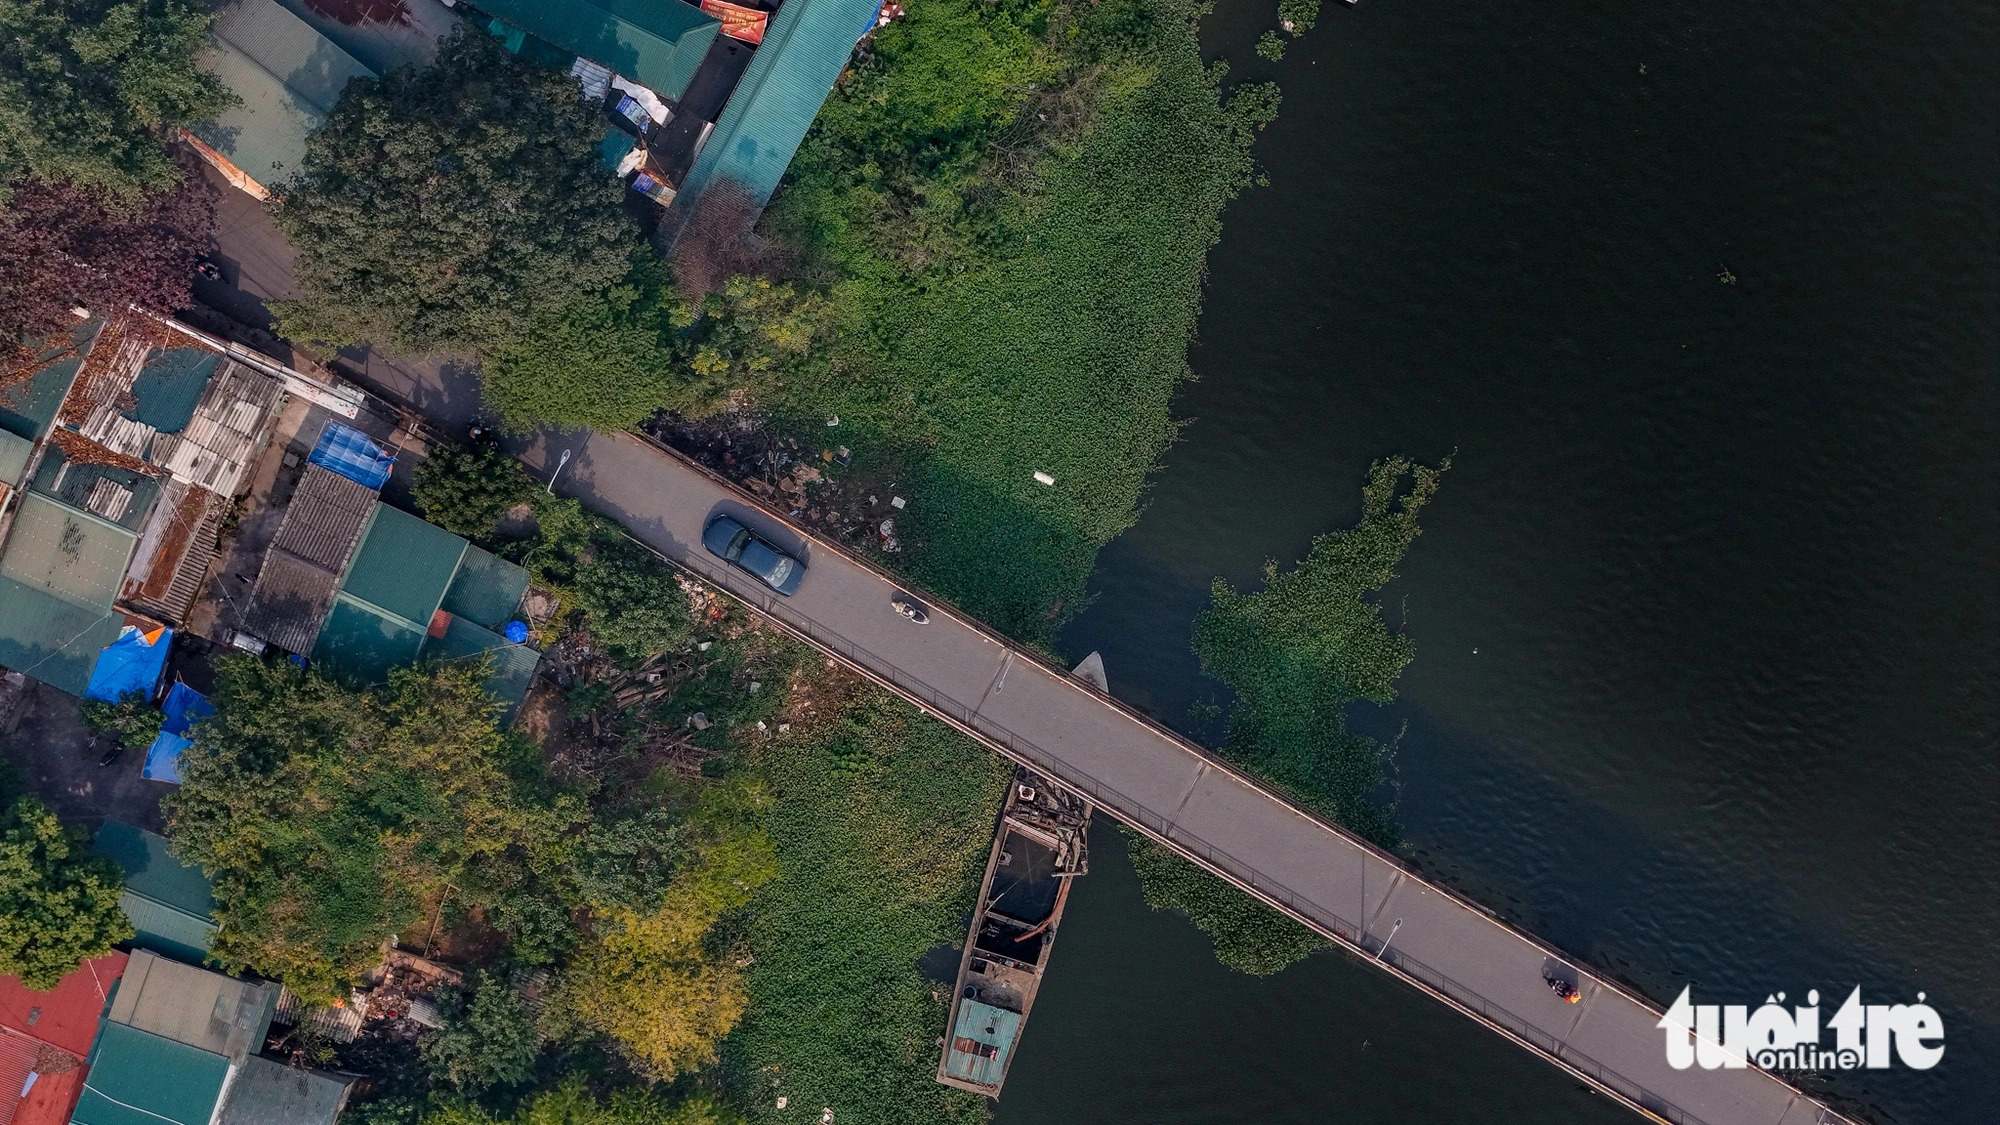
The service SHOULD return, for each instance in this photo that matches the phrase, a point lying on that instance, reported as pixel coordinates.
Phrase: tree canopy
(449, 207)
(90, 88)
(467, 489)
(58, 902)
(329, 817)
(63, 246)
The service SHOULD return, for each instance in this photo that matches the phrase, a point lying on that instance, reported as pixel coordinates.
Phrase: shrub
(58, 902)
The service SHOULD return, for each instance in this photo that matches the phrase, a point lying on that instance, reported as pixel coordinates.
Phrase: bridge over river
(1181, 795)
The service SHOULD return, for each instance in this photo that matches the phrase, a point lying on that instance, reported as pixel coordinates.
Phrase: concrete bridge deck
(1181, 795)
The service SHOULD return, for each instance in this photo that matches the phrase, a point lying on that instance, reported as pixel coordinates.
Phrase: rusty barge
(1039, 849)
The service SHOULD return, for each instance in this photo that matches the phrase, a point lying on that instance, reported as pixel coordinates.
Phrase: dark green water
(1706, 612)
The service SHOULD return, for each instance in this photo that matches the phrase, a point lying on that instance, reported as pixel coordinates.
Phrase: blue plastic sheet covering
(354, 455)
(182, 707)
(132, 663)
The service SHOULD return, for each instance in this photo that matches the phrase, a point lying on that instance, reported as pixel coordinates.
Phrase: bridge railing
(1155, 824)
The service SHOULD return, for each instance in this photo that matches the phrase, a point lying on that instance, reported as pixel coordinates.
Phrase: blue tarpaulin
(131, 664)
(354, 455)
(182, 707)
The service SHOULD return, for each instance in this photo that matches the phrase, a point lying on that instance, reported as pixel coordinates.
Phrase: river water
(1705, 614)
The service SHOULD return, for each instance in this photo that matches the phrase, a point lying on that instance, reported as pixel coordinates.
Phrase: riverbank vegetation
(1296, 653)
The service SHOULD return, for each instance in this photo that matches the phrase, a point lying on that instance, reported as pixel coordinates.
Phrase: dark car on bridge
(733, 543)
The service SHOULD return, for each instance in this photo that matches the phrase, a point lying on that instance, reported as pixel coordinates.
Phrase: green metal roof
(55, 641)
(28, 408)
(169, 385)
(656, 43)
(14, 453)
(58, 478)
(67, 552)
(993, 1029)
(166, 930)
(141, 1079)
(363, 642)
(152, 870)
(404, 565)
(513, 666)
(803, 53)
(487, 589)
(287, 77)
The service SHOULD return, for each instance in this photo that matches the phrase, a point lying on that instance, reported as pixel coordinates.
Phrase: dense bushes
(58, 902)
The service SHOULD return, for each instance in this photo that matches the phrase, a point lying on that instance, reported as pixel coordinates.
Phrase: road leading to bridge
(1148, 777)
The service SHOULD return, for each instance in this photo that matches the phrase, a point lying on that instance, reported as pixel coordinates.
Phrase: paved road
(1134, 769)
(1146, 776)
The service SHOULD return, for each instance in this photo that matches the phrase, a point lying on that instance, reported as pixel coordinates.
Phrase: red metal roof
(66, 1017)
(17, 1058)
(52, 1099)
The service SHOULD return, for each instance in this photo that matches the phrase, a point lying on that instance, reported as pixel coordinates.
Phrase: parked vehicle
(733, 543)
(910, 609)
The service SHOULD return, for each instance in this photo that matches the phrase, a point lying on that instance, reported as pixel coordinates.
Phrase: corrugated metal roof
(301, 571)
(286, 75)
(807, 47)
(980, 1042)
(139, 1079)
(404, 565)
(17, 1062)
(271, 1093)
(14, 453)
(658, 43)
(28, 406)
(153, 871)
(55, 641)
(166, 930)
(223, 432)
(194, 1006)
(487, 589)
(72, 554)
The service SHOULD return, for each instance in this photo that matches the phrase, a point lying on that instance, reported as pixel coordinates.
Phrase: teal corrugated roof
(487, 589)
(153, 871)
(28, 407)
(286, 77)
(788, 79)
(656, 43)
(990, 1033)
(55, 641)
(14, 453)
(141, 1079)
(404, 565)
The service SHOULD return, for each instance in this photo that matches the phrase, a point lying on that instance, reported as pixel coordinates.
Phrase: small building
(168, 902)
(362, 587)
(286, 77)
(802, 53)
(138, 433)
(271, 1093)
(174, 1044)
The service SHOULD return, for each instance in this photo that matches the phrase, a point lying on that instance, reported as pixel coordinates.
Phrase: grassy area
(881, 819)
(1018, 286)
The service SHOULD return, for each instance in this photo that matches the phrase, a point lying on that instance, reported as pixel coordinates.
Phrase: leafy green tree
(1249, 936)
(604, 360)
(329, 817)
(488, 1038)
(449, 208)
(744, 343)
(58, 902)
(467, 489)
(89, 90)
(630, 600)
(1309, 642)
(132, 720)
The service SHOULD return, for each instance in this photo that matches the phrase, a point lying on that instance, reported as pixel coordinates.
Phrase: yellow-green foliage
(879, 852)
(58, 902)
(649, 979)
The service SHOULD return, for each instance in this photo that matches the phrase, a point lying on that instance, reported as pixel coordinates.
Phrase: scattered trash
(784, 728)
(703, 646)
(699, 721)
(756, 686)
(1043, 478)
(844, 455)
(833, 420)
(885, 532)
(760, 724)
(826, 1115)
(783, 1101)
(897, 502)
